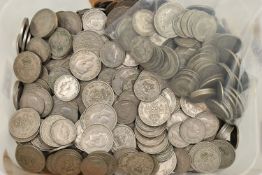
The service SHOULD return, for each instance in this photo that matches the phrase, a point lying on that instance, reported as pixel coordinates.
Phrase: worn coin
(99, 114)
(107, 75)
(218, 109)
(70, 21)
(225, 132)
(17, 92)
(24, 124)
(94, 165)
(66, 88)
(174, 136)
(97, 92)
(32, 100)
(43, 23)
(183, 161)
(166, 154)
(149, 141)
(201, 95)
(143, 22)
(30, 158)
(126, 111)
(171, 98)
(176, 117)
(97, 138)
(150, 134)
(211, 123)
(154, 113)
(168, 166)
(130, 61)
(38, 142)
(79, 133)
(124, 137)
(153, 149)
(190, 108)
(192, 130)
(111, 54)
(94, 20)
(157, 129)
(205, 157)
(40, 47)
(27, 67)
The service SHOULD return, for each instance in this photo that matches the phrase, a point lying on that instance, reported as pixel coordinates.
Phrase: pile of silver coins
(159, 98)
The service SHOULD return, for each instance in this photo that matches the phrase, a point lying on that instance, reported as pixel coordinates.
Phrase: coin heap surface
(159, 96)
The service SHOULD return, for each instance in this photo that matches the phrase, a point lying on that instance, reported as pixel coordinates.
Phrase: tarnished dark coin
(70, 21)
(183, 161)
(94, 165)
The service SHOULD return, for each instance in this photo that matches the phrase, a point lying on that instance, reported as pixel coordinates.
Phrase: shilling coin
(60, 43)
(17, 92)
(192, 130)
(211, 123)
(174, 136)
(111, 54)
(97, 138)
(130, 61)
(63, 132)
(107, 75)
(228, 154)
(99, 114)
(85, 65)
(164, 16)
(183, 161)
(27, 67)
(126, 111)
(154, 113)
(94, 165)
(190, 108)
(97, 92)
(201, 95)
(205, 157)
(24, 124)
(70, 21)
(43, 23)
(143, 22)
(124, 137)
(149, 141)
(39, 47)
(37, 142)
(176, 117)
(168, 166)
(94, 20)
(66, 87)
(30, 158)
(45, 129)
(153, 149)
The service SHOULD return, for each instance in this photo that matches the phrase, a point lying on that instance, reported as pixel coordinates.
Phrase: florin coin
(143, 22)
(40, 47)
(190, 108)
(66, 88)
(174, 136)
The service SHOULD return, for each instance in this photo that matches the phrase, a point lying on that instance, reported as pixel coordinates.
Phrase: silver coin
(97, 92)
(124, 137)
(24, 124)
(154, 113)
(150, 129)
(111, 54)
(55, 74)
(149, 141)
(164, 17)
(130, 61)
(154, 149)
(211, 123)
(201, 95)
(219, 109)
(166, 154)
(70, 21)
(171, 98)
(220, 91)
(30, 99)
(190, 108)
(176, 117)
(147, 88)
(94, 20)
(45, 129)
(143, 22)
(99, 114)
(126, 111)
(79, 134)
(37, 142)
(128, 96)
(174, 136)
(17, 92)
(192, 130)
(158, 39)
(225, 132)
(85, 65)
(107, 75)
(96, 138)
(63, 132)
(228, 154)
(205, 157)
(150, 134)
(183, 161)
(167, 167)
(66, 87)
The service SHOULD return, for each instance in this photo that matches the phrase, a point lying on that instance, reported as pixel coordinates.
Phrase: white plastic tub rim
(243, 18)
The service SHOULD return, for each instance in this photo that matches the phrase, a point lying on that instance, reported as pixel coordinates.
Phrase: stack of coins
(150, 101)
(23, 37)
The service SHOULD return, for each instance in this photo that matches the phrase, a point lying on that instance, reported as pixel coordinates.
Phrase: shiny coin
(164, 16)
(24, 124)
(17, 92)
(130, 61)
(174, 136)
(201, 95)
(79, 133)
(192, 130)
(211, 123)
(99, 114)
(228, 154)
(171, 98)
(85, 65)
(154, 113)
(97, 138)
(43, 23)
(124, 137)
(70, 21)
(27, 67)
(143, 22)
(225, 132)
(111, 54)
(63, 132)
(97, 92)
(66, 87)
(39, 47)
(192, 109)
(168, 166)
(206, 157)
(30, 158)
(94, 20)
(154, 149)
(176, 117)
(183, 161)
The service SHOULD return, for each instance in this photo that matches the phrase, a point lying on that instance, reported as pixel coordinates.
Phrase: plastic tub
(242, 18)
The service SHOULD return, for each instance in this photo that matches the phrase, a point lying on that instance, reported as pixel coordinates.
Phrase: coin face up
(94, 20)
